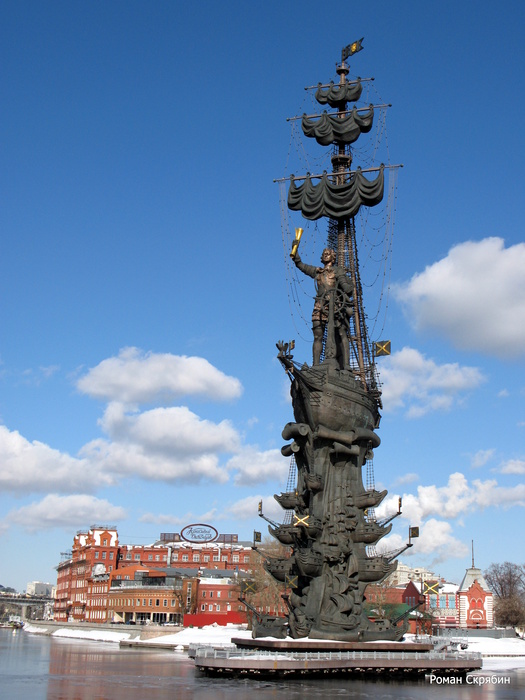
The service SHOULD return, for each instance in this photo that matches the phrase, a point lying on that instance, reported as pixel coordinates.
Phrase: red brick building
(137, 595)
(476, 601)
(82, 578)
(97, 563)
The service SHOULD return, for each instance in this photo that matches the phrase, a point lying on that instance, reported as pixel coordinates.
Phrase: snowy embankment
(217, 635)
(498, 654)
(95, 635)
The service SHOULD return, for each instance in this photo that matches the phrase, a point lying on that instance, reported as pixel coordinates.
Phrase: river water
(37, 667)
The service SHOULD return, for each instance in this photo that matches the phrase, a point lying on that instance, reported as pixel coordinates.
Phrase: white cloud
(255, 467)
(69, 512)
(407, 478)
(481, 458)
(247, 508)
(133, 460)
(181, 520)
(137, 377)
(163, 444)
(49, 371)
(435, 538)
(488, 494)
(513, 466)
(412, 381)
(34, 466)
(475, 296)
(456, 499)
(169, 430)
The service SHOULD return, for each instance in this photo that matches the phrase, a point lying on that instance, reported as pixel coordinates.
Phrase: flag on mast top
(351, 49)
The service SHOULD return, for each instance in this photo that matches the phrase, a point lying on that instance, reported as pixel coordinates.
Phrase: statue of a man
(329, 280)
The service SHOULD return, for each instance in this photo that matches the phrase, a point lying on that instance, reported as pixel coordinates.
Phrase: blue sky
(144, 284)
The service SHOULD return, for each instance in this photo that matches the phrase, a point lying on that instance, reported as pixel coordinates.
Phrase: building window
(203, 607)
(185, 557)
(150, 557)
(165, 602)
(204, 594)
(211, 594)
(218, 594)
(104, 543)
(137, 557)
(144, 602)
(150, 602)
(206, 557)
(210, 607)
(111, 555)
(235, 557)
(175, 556)
(196, 557)
(224, 557)
(103, 555)
(157, 557)
(96, 555)
(215, 557)
(157, 603)
(128, 556)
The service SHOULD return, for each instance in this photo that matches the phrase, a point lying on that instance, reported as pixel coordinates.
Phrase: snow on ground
(211, 634)
(101, 635)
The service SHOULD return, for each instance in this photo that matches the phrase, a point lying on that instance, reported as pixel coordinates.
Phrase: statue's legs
(344, 347)
(318, 330)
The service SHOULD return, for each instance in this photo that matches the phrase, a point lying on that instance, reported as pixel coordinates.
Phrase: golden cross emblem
(292, 581)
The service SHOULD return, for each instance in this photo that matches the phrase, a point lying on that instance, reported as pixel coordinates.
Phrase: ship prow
(324, 396)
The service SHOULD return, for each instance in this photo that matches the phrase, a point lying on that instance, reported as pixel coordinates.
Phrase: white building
(40, 588)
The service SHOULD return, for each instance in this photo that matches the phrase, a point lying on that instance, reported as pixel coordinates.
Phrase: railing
(118, 585)
(206, 652)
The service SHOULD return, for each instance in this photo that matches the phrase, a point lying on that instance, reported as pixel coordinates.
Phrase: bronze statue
(333, 300)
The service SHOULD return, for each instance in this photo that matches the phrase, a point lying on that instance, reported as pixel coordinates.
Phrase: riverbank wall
(102, 632)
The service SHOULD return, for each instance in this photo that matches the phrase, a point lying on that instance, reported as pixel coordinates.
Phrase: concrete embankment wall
(135, 631)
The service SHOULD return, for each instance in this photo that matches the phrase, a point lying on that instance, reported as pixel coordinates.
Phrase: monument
(330, 527)
(336, 400)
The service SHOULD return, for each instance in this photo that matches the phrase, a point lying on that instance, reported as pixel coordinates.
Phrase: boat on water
(336, 398)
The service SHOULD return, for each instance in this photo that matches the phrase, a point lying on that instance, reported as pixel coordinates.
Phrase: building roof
(471, 575)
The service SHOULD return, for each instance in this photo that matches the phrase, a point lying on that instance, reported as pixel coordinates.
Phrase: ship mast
(342, 237)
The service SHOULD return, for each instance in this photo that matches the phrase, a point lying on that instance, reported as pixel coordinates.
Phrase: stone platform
(278, 658)
(328, 645)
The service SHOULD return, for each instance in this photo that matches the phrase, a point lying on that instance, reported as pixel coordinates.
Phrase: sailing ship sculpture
(336, 401)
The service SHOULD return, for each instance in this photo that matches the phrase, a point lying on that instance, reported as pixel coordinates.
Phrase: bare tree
(266, 592)
(507, 582)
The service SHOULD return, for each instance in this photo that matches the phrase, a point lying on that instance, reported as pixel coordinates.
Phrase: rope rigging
(375, 224)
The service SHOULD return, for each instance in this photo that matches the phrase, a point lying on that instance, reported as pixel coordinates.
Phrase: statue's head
(328, 256)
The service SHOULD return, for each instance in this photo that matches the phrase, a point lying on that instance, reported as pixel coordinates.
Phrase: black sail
(331, 128)
(338, 95)
(333, 200)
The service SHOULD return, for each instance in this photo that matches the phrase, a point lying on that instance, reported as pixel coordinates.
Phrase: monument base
(278, 658)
